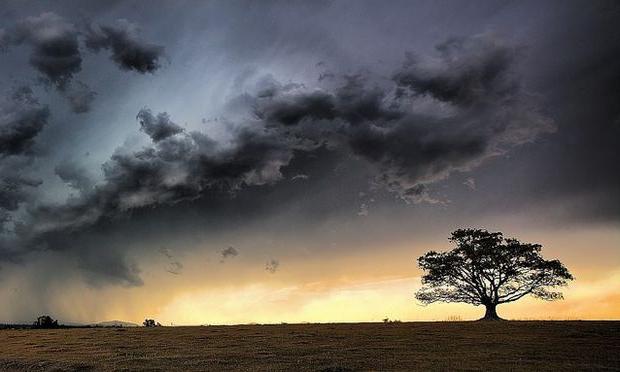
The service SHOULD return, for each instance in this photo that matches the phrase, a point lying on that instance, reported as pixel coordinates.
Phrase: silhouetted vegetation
(45, 321)
(388, 320)
(151, 323)
(487, 269)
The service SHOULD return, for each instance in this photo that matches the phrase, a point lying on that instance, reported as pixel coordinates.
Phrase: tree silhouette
(45, 321)
(487, 269)
(151, 323)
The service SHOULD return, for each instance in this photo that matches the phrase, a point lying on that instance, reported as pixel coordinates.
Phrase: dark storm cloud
(54, 43)
(102, 268)
(157, 127)
(352, 102)
(5, 217)
(181, 167)
(471, 71)
(417, 152)
(56, 54)
(228, 252)
(315, 106)
(174, 266)
(80, 97)
(413, 132)
(15, 187)
(567, 177)
(74, 176)
(478, 111)
(21, 120)
(129, 52)
(4, 40)
(176, 169)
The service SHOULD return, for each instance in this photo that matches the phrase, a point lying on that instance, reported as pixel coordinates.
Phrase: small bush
(151, 323)
(45, 321)
(387, 321)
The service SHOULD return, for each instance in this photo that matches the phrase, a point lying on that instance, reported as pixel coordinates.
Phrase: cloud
(470, 183)
(470, 71)
(228, 252)
(74, 176)
(182, 167)
(56, 54)
(21, 120)
(157, 127)
(174, 266)
(80, 97)
(5, 218)
(387, 124)
(272, 266)
(102, 268)
(55, 48)
(128, 51)
(364, 211)
(352, 102)
(176, 169)
(479, 110)
(300, 177)
(4, 40)
(15, 185)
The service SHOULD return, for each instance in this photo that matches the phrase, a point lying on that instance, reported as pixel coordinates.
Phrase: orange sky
(367, 286)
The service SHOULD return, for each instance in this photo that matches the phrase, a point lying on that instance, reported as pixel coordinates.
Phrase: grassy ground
(473, 346)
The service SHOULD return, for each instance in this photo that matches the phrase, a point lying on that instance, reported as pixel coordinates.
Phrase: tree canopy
(488, 269)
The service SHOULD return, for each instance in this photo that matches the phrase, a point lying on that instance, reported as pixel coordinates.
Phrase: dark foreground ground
(473, 346)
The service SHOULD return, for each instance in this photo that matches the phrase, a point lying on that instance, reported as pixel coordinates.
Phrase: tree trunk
(491, 312)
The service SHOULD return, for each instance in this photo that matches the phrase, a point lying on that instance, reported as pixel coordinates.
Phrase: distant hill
(115, 323)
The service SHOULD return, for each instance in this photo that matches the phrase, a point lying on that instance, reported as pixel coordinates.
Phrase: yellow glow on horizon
(344, 285)
(373, 301)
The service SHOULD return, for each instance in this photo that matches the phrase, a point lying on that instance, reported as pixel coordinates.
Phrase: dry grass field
(472, 346)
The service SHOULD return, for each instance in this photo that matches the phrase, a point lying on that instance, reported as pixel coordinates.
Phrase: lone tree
(487, 269)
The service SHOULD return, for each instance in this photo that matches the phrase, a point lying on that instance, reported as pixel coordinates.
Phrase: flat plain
(423, 346)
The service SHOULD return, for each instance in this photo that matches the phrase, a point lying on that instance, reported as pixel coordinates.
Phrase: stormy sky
(188, 160)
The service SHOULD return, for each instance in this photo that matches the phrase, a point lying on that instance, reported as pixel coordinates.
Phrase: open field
(534, 346)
